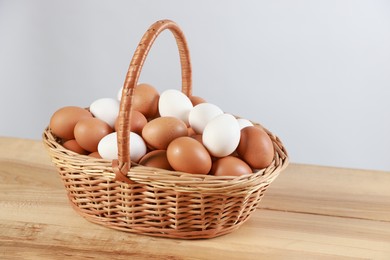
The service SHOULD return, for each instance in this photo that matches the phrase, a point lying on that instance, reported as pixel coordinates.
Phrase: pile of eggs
(169, 131)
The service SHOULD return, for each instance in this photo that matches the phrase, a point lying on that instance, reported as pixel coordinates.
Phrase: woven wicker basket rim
(180, 181)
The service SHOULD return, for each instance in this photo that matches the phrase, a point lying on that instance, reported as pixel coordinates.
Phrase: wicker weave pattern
(159, 202)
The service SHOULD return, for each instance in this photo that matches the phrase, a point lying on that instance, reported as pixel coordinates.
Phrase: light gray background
(316, 73)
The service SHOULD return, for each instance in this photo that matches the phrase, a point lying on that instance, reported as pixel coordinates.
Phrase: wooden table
(309, 212)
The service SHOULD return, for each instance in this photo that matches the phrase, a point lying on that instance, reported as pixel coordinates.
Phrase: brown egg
(63, 121)
(255, 147)
(157, 159)
(195, 100)
(190, 131)
(185, 154)
(88, 132)
(230, 166)
(197, 137)
(137, 122)
(95, 155)
(159, 132)
(74, 146)
(145, 100)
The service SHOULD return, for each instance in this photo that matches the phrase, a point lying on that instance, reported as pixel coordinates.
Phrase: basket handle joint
(121, 172)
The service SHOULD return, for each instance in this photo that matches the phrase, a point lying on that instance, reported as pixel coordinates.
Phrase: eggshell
(190, 131)
(230, 166)
(221, 135)
(175, 103)
(244, 122)
(88, 132)
(63, 121)
(137, 122)
(197, 137)
(159, 132)
(255, 147)
(108, 147)
(195, 100)
(74, 146)
(145, 100)
(95, 155)
(106, 109)
(201, 114)
(157, 159)
(137, 147)
(185, 154)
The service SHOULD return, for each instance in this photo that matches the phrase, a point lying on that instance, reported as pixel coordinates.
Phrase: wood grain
(309, 212)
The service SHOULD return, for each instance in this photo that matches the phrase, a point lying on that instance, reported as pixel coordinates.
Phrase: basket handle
(122, 165)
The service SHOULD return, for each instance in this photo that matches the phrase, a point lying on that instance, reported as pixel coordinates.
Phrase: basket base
(159, 232)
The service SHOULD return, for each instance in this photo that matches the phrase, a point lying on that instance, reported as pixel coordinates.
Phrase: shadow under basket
(153, 201)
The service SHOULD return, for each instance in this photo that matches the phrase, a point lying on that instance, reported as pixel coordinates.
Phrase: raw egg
(95, 155)
(159, 132)
(145, 100)
(185, 154)
(108, 147)
(201, 114)
(221, 135)
(74, 146)
(105, 109)
(230, 166)
(137, 122)
(195, 100)
(157, 159)
(198, 138)
(255, 147)
(88, 132)
(175, 103)
(63, 121)
(190, 131)
(244, 122)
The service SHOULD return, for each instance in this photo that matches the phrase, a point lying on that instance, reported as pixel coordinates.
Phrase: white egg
(137, 147)
(221, 135)
(175, 103)
(201, 114)
(242, 122)
(106, 109)
(108, 147)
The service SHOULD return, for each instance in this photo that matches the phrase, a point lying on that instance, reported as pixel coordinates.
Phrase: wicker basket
(153, 201)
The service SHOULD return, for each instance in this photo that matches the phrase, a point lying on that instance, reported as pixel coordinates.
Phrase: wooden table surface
(309, 212)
